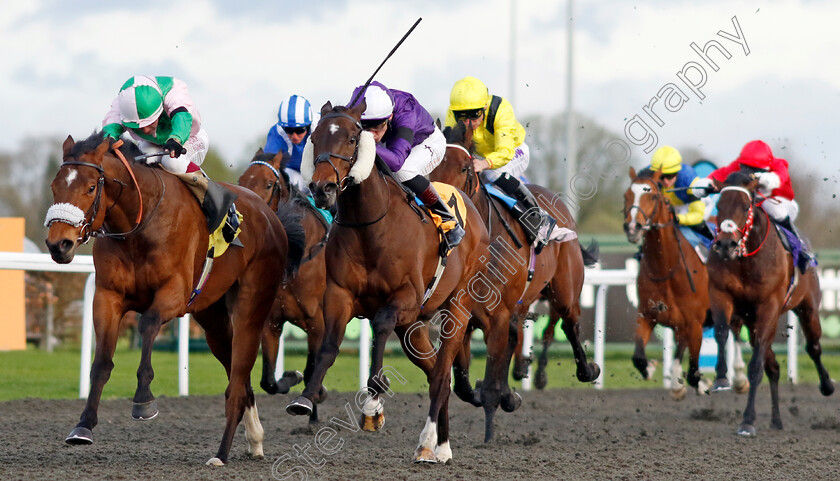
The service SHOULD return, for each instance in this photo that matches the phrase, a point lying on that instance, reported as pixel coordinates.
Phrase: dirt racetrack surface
(557, 434)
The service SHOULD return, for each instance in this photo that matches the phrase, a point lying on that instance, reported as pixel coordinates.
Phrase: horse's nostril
(331, 188)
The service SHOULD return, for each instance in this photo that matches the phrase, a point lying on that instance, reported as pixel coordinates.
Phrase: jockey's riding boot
(432, 200)
(806, 259)
(537, 222)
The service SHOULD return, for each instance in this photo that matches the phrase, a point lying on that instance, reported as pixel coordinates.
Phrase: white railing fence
(597, 283)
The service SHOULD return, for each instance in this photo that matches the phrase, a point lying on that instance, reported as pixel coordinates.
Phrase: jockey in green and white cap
(159, 114)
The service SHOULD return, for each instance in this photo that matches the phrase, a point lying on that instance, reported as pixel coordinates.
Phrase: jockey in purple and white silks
(289, 134)
(159, 114)
(408, 141)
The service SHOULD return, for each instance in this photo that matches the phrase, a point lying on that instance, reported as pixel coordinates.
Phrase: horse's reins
(85, 231)
(748, 225)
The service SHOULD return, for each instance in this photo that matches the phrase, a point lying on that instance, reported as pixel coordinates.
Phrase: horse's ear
(281, 159)
(437, 123)
(102, 148)
(657, 175)
(468, 134)
(753, 185)
(358, 110)
(259, 152)
(632, 173)
(326, 108)
(68, 144)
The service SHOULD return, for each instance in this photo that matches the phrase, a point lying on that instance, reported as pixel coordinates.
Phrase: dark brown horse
(381, 256)
(557, 275)
(299, 301)
(151, 242)
(751, 275)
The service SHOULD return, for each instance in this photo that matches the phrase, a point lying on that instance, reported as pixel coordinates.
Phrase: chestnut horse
(151, 242)
(558, 276)
(299, 301)
(381, 256)
(752, 276)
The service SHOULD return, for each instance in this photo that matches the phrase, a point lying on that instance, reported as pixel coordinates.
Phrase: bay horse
(751, 275)
(557, 276)
(151, 242)
(672, 284)
(299, 301)
(381, 256)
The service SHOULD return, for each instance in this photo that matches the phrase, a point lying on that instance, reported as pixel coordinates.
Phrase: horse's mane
(129, 149)
(455, 135)
(646, 173)
(741, 179)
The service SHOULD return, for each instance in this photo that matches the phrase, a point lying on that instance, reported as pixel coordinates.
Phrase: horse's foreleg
(337, 312)
(145, 407)
(434, 439)
(461, 372)
(694, 339)
(373, 415)
(521, 360)
(108, 310)
(644, 328)
(314, 338)
(721, 309)
(541, 377)
(270, 343)
(764, 330)
(771, 368)
(810, 322)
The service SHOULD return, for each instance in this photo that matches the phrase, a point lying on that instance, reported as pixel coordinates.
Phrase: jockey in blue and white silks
(289, 134)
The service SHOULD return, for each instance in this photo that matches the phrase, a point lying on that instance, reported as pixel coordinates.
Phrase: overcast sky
(63, 62)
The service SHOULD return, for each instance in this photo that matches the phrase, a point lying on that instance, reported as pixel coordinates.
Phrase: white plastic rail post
(792, 345)
(364, 352)
(87, 336)
(184, 355)
(600, 331)
(527, 346)
(667, 356)
(279, 365)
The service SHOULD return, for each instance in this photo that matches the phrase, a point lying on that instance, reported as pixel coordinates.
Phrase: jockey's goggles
(668, 176)
(375, 124)
(468, 114)
(295, 130)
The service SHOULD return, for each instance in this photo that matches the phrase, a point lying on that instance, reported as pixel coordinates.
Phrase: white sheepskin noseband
(360, 170)
(67, 213)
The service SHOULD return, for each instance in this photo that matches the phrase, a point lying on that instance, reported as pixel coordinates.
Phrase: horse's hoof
(214, 462)
(746, 430)
(650, 370)
(721, 385)
(287, 380)
(372, 423)
(144, 411)
(322, 394)
(741, 386)
(590, 374)
(443, 453)
(511, 402)
(79, 436)
(776, 424)
(424, 455)
(540, 379)
(300, 406)
(827, 388)
(679, 394)
(703, 387)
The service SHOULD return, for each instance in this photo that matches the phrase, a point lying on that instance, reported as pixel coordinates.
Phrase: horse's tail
(590, 254)
(296, 236)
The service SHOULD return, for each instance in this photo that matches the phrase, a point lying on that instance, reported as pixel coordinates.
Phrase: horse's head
(77, 190)
(645, 207)
(339, 153)
(736, 206)
(456, 168)
(266, 176)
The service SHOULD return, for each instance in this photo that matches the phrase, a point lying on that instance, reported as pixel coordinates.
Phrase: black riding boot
(427, 193)
(537, 222)
(805, 257)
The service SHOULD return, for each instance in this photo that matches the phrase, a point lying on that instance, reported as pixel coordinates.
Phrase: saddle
(793, 245)
(218, 206)
(559, 234)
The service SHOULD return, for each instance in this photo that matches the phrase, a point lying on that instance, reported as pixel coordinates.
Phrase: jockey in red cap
(773, 183)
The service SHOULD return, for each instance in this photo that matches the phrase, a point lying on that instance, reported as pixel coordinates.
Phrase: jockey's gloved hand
(703, 187)
(768, 180)
(172, 145)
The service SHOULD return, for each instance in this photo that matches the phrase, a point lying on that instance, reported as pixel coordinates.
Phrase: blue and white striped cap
(295, 111)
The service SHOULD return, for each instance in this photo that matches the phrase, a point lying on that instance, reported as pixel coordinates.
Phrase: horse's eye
(270, 184)
(352, 140)
(92, 188)
(465, 169)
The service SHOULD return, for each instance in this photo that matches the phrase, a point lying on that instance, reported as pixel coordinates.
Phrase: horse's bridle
(275, 190)
(728, 226)
(86, 230)
(471, 185)
(327, 156)
(649, 224)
